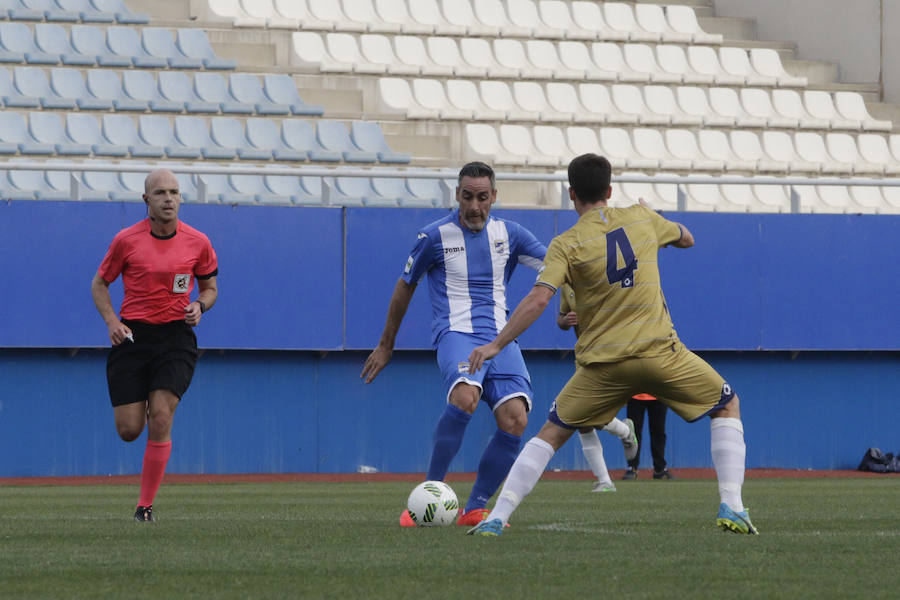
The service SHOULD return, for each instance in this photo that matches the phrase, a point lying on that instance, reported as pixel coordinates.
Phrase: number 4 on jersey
(617, 241)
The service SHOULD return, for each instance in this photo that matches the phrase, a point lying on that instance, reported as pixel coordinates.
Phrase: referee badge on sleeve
(182, 283)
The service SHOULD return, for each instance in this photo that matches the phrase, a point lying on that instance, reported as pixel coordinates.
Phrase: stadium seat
(193, 132)
(789, 103)
(263, 134)
(426, 191)
(758, 103)
(58, 183)
(574, 56)
(477, 53)
(247, 89)
(14, 136)
(68, 83)
(811, 148)
(333, 136)
(649, 143)
(851, 106)
(725, 101)
(590, 16)
(705, 197)
(866, 199)
(518, 147)
(428, 13)
(608, 57)
(86, 11)
(460, 14)
(212, 87)
(120, 130)
(628, 193)
(550, 141)
(715, 145)
(683, 19)
(133, 181)
(395, 12)
(704, 60)
(176, 86)
(596, 97)
(682, 145)
(348, 191)
(392, 189)
(842, 146)
(582, 140)
(219, 189)
(377, 49)
(300, 135)
(32, 81)
(511, 55)
(497, 96)
(124, 15)
(873, 148)
(616, 145)
(342, 47)
(395, 97)
(47, 128)
(444, 53)
(821, 106)
(126, 41)
(530, 96)
(85, 129)
(429, 93)
(410, 50)
(156, 130)
(739, 196)
(556, 15)
(491, 13)
(563, 99)
(747, 146)
(285, 189)
(363, 11)
(833, 199)
(105, 85)
(90, 41)
(25, 10)
(543, 55)
(780, 146)
(628, 100)
(481, 143)
(249, 186)
(195, 44)
(160, 42)
(291, 14)
(651, 18)
(524, 13)
(767, 62)
(141, 86)
(280, 89)
(245, 13)
(308, 52)
(53, 40)
(620, 17)
(771, 198)
(661, 101)
(673, 60)
(228, 133)
(13, 98)
(463, 95)
(640, 58)
(17, 45)
(330, 11)
(736, 62)
(28, 185)
(695, 102)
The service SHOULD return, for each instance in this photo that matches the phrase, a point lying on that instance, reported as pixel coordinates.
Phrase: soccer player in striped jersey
(154, 349)
(469, 257)
(627, 345)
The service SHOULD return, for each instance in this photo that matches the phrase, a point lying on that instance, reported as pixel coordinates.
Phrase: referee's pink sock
(156, 455)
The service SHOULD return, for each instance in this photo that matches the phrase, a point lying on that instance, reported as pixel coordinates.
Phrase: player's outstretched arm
(381, 355)
(526, 313)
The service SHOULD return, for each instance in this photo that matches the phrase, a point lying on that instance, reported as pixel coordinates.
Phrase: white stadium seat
(377, 49)
(695, 102)
(683, 19)
(628, 100)
(445, 53)
(640, 58)
(463, 94)
(661, 100)
(652, 18)
(789, 103)
(619, 16)
(810, 147)
(820, 105)
(596, 97)
(575, 56)
(705, 60)
(530, 96)
(758, 103)
(767, 62)
(555, 13)
(851, 106)
(608, 57)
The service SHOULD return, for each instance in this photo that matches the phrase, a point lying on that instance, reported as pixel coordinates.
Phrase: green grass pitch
(820, 538)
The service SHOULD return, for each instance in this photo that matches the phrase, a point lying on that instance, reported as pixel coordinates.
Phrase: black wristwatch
(202, 306)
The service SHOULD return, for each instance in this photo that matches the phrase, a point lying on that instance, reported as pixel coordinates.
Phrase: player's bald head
(160, 178)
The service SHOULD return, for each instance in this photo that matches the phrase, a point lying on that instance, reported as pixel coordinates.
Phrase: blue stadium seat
(26, 185)
(369, 137)
(23, 10)
(140, 85)
(86, 11)
(351, 191)
(333, 135)
(427, 190)
(85, 129)
(52, 39)
(32, 81)
(123, 14)
(212, 87)
(104, 185)
(51, 11)
(59, 183)
(228, 133)
(159, 42)
(263, 134)
(299, 135)
(126, 41)
(14, 130)
(312, 188)
(91, 41)
(47, 128)
(285, 189)
(156, 130)
(120, 130)
(193, 132)
(280, 89)
(106, 85)
(68, 83)
(11, 97)
(393, 188)
(176, 86)
(246, 88)
(248, 185)
(218, 189)
(17, 45)
(133, 181)
(195, 43)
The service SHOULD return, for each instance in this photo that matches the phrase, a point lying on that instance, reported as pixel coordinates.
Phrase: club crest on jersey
(182, 283)
(462, 367)
(500, 246)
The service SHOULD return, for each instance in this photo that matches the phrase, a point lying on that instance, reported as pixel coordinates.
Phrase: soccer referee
(154, 349)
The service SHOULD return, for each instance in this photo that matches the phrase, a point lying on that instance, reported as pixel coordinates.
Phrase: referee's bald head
(159, 177)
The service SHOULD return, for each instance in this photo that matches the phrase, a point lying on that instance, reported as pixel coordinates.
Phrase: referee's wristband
(202, 306)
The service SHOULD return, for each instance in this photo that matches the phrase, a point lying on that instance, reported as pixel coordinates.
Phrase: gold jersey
(609, 259)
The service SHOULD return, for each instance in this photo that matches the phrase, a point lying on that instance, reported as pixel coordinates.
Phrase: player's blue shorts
(501, 378)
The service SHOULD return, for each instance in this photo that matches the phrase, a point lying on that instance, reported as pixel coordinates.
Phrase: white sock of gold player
(618, 428)
(522, 478)
(726, 443)
(593, 452)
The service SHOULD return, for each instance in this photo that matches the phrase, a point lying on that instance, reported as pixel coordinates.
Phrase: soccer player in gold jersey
(627, 343)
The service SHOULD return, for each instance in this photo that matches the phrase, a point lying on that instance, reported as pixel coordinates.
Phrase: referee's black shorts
(162, 357)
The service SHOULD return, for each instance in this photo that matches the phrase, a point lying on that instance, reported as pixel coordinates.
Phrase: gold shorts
(680, 379)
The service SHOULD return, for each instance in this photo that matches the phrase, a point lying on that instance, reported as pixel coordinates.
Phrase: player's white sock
(618, 428)
(593, 452)
(726, 443)
(523, 476)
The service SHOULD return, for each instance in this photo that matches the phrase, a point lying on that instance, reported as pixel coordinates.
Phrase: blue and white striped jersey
(468, 272)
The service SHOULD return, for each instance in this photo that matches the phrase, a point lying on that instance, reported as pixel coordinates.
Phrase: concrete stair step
(732, 28)
(818, 72)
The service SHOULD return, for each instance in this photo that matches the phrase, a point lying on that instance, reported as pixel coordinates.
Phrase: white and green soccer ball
(433, 503)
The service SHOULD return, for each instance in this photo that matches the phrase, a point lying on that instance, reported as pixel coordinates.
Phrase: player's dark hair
(589, 176)
(477, 169)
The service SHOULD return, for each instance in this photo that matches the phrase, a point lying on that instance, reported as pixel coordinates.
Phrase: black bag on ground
(878, 462)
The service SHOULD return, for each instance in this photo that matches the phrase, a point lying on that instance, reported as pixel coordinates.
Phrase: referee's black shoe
(144, 513)
(664, 474)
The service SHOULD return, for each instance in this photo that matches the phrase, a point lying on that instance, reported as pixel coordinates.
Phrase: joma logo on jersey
(454, 250)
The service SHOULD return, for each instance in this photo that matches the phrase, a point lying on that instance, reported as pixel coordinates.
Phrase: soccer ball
(433, 503)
